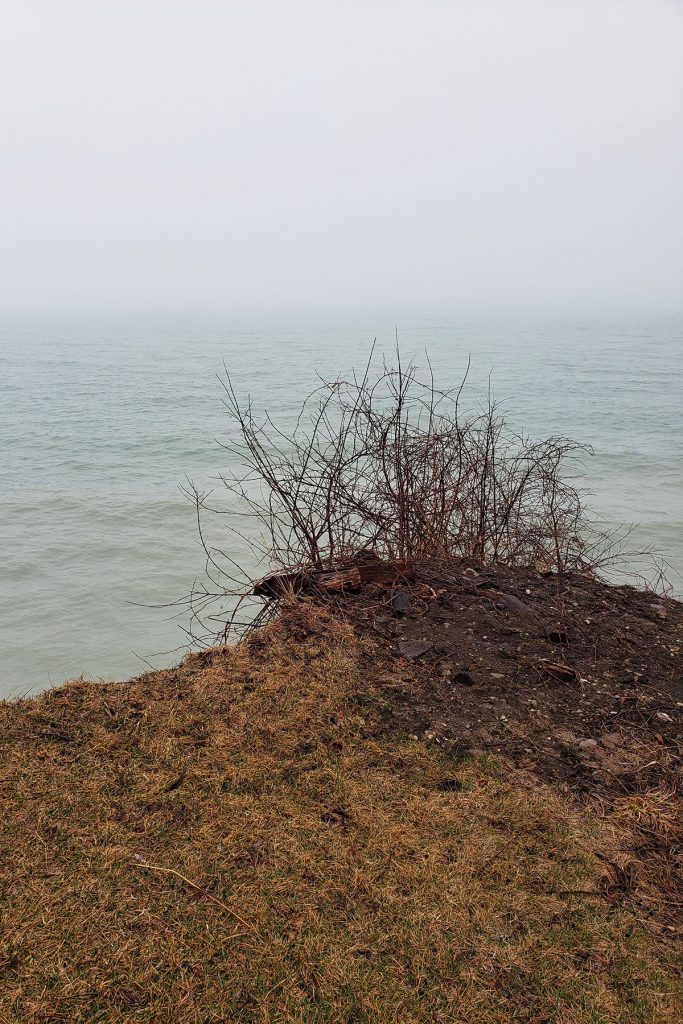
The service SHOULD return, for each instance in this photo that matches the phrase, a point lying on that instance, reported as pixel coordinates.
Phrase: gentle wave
(101, 422)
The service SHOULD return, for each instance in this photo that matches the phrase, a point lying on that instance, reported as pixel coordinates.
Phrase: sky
(432, 156)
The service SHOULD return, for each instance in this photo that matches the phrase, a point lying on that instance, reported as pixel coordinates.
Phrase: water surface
(100, 422)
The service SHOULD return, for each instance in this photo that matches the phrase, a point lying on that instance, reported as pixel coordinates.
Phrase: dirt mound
(576, 680)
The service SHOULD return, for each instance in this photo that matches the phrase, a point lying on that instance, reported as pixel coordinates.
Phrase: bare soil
(573, 679)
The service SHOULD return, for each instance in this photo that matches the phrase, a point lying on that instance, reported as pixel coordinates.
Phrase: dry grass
(236, 840)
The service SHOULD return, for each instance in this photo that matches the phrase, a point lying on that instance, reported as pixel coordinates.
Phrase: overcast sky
(432, 156)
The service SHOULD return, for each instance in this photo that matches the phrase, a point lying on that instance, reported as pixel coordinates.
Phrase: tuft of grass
(236, 841)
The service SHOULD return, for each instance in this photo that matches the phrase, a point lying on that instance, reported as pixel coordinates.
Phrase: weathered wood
(347, 576)
(344, 579)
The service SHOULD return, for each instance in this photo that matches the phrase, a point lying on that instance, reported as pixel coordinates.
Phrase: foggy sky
(435, 155)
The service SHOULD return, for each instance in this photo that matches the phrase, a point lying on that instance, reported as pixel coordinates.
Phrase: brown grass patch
(236, 840)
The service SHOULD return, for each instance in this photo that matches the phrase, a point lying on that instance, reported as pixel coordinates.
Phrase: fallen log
(346, 576)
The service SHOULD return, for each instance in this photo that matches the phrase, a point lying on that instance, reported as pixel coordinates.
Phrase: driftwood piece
(347, 576)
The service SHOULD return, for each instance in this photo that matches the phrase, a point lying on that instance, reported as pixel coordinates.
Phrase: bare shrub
(390, 464)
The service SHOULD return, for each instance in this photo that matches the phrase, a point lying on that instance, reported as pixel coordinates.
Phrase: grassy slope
(233, 840)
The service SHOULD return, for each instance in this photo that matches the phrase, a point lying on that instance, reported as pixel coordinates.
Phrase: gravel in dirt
(576, 680)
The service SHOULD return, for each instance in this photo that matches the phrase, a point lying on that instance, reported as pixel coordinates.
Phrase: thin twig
(198, 888)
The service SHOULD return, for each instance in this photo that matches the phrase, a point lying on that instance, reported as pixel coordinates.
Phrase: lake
(102, 420)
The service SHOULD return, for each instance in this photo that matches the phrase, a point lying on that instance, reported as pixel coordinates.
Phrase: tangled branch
(388, 464)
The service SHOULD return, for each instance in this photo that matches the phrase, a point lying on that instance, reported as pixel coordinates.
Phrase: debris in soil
(557, 636)
(510, 603)
(400, 603)
(412, 649)
(476, 667)
(346, 577)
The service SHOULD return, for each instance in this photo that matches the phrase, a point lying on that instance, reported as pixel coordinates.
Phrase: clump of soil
(576, 680)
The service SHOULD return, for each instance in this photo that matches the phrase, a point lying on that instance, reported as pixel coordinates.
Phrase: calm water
(99, 423)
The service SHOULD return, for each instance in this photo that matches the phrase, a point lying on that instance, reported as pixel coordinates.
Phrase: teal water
(100, 423)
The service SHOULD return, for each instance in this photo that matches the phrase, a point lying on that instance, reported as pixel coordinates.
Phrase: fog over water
(274, 185)
(428, 157)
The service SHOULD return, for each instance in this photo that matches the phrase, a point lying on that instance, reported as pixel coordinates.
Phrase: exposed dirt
(576, 680)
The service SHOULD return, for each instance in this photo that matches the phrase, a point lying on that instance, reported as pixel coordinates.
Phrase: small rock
(442, 648)
(400, 603)
(588, 744)
(497, 675)
(412, 649)
(510, 603)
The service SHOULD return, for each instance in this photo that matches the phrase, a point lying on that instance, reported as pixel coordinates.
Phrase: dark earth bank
(573, 679)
